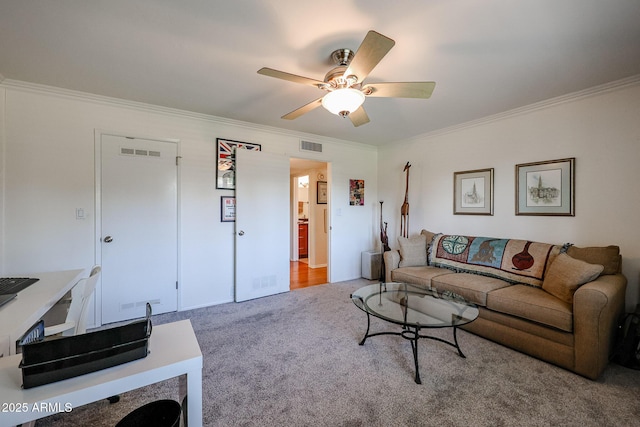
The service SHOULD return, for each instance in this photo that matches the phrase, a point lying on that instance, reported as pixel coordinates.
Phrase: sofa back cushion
(512, 260)
(607, 256)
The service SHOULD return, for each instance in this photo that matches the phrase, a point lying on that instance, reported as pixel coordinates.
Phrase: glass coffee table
(414, 309)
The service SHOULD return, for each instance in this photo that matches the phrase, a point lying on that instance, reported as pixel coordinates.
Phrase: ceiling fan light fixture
(341, 102)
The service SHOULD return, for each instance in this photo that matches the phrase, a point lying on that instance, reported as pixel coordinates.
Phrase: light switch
(79, 213)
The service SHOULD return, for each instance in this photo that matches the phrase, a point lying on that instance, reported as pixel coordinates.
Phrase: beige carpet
(293, 360)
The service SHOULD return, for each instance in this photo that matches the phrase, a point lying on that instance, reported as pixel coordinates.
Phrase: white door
(139, 227)
(262, 224)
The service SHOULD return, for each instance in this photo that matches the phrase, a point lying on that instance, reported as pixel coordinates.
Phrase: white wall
(47, 137)
(600, 129)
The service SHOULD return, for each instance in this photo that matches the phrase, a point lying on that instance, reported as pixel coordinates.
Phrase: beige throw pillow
(567, 274)
(413, 251)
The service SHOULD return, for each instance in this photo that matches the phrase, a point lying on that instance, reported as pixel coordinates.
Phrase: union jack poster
(226, 154)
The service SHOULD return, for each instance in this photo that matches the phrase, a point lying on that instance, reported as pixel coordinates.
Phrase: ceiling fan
(345, 83)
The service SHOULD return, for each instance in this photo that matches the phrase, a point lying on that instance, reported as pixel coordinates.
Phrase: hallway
(302, 276)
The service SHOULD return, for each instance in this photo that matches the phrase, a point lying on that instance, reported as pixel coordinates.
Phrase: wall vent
(310, 146)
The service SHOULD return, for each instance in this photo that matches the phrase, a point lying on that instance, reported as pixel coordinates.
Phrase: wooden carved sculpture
(384, 238)
(404, 210)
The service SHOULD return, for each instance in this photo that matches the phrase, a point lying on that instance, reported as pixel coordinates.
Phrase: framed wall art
(546, 188)
(473, 192)
(227, 208)
(356, 192)
(225, 156)
(321, 193)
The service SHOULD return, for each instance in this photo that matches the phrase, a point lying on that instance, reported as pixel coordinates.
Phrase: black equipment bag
(627, 350)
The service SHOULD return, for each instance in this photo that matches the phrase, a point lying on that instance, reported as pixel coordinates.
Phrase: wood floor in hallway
(303, 276)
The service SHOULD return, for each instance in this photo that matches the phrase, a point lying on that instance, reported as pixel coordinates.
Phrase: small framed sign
(227, 208)
(321, 193)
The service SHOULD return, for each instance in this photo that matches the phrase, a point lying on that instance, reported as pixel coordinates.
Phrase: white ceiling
(486, 56)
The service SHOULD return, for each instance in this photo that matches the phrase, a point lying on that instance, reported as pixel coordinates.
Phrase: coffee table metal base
(412, 333)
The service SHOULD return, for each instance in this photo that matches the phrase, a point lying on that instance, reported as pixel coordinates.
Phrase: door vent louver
(310, 146)
(137, 152)
(138, 304)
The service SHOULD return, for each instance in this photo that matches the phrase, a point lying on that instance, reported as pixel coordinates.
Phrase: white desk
(174, 351)
(17, 316)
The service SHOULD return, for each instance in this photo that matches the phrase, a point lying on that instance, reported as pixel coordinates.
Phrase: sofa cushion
(472, 287)
(533, 304)
(607, 256)
(422, 276)
(516, 261)
(429, 235)
(567, 274)
(413, 250)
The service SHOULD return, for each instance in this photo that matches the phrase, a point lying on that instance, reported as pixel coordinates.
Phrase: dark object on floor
(161, 413)
(627, 349)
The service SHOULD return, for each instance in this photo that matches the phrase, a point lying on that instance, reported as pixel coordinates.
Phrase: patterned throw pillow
(567, 274)
(413, 251)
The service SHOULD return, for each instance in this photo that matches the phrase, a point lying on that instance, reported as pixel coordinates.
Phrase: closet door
(139, 227)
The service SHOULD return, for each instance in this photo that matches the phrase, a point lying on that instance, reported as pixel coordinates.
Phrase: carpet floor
(293, 359)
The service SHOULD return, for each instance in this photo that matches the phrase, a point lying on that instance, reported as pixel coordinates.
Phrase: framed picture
(473, 192)
(227, 208)
(546, 188)
(356, 192)
(321, 193)
(225, 153)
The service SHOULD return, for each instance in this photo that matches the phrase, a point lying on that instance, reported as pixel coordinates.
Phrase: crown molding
(547, 103)
(141, 106)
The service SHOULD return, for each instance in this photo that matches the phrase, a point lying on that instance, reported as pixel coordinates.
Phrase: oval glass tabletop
(410, 305)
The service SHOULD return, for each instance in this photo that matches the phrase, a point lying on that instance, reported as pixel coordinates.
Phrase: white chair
(76, 319)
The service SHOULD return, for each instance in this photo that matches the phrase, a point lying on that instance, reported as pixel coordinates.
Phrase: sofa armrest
(391, 262)
(597, 308)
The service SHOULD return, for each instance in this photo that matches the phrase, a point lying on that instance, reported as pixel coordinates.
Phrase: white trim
(100, 99)
(3, 155)
(141, 106)
(547, 103)
(97, 253)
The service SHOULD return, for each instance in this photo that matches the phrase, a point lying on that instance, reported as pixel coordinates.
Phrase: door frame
(294, 210)
(98, 134)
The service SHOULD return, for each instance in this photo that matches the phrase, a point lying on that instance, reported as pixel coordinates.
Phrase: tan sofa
(558, 303)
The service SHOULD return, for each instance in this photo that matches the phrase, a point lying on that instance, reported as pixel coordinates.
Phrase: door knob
(108, 239)
(240, 233)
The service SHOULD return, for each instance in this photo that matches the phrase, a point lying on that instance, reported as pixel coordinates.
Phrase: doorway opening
(309, 224)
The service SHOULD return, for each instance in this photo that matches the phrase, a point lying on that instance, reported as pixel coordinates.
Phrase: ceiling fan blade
(303, 110)
(359, 117)
(289, 77)
(373, 48)
(400, 90)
